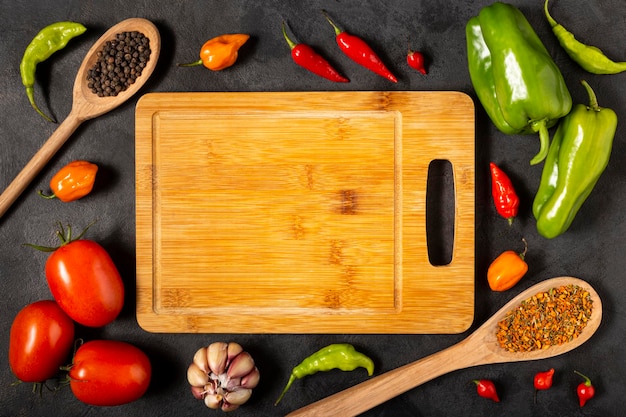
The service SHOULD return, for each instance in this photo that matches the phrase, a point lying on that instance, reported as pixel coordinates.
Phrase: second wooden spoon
(480, 348)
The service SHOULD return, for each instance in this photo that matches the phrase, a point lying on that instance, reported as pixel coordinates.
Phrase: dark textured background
(592, 249)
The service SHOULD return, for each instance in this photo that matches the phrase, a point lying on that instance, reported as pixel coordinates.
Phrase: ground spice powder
(546, 319)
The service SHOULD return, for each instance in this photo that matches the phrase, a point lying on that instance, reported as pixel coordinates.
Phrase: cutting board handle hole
(440, 212)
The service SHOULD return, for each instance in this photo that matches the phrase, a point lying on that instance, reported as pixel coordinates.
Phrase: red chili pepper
(307, 58)
(415, 60)
(486, 389)
(543, 381)
(504, 196)
(585, 390)
(360, 52)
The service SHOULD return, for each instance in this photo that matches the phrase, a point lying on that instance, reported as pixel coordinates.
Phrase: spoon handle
(372, 392)
(38, 161)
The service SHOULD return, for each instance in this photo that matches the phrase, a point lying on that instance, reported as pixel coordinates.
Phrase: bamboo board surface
(285, 212)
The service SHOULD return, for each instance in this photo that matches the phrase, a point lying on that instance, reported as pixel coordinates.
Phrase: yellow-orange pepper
(507, 269)
(73, 181)
(220, 52)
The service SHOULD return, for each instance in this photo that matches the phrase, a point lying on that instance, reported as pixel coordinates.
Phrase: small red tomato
(41, 340)
(109, 372)
(85, 282)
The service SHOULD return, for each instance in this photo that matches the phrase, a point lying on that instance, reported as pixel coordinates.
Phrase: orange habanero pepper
(73, 181)
(507, 269)
(220, 52)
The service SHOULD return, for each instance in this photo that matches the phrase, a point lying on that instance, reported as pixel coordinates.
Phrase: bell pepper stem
(593, 100)
(544, 141)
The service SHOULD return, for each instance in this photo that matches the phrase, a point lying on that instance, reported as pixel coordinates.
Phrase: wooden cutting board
(291, 212)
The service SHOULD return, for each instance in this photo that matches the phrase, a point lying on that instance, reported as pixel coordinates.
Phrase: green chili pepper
(578, 155)
(514, 76)
(590, 58)
(336, 356)
(49, 40)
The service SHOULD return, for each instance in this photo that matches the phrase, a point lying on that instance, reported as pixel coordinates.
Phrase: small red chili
(307, 58)
(486, 389)
(504, 196)
(360, 52)
(543, 381)
(415, 60)
(585, 390)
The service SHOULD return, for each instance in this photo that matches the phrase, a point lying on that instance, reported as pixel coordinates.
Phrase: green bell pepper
(578, 155)
(515, 78)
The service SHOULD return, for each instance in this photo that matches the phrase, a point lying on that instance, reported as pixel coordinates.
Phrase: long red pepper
(504, 196)
(360, 52)
(585, 390)
(307, 58)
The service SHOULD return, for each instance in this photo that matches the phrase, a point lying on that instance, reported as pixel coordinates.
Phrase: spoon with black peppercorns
(116, 67)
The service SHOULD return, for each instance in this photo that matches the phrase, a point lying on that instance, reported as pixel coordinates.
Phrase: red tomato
(109, 372)
(41, 340)
(85, 282)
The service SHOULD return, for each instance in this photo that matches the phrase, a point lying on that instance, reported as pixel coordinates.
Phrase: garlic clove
(238, 397)
(196, 376)
(198, 392)
(232, 383)
(241, 365)
(217, 356)
(229, 407)
(201, 359)
(234, 349)
(252, 379)
(213, 401)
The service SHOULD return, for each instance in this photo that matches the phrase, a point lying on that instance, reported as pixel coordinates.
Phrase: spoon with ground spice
(548, 319)
(133, 47)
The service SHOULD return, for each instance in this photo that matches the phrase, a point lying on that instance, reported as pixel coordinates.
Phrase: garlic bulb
(222, 375)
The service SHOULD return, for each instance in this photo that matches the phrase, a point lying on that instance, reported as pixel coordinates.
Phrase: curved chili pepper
(336, 356)
(307, 58)
(504, 196)
(585, 390)
(360, 52)
(73, 181)
(415, 60)
(590, 58)
(220, 52)
(507, 269)
(486, 389)
(49, 40)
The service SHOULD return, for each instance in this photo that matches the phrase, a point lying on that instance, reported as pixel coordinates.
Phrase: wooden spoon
(85, 105)
(480, 348)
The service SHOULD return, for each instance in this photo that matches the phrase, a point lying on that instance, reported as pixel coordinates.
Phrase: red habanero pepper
(486, 389)
(360, 52)
(415, 60)
(307, 58)
(585, 390)
(504, 196)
